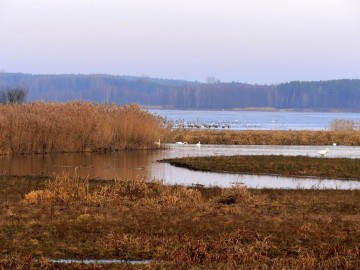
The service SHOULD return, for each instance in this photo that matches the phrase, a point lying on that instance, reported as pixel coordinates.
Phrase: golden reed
(267, 137)
(76, 127)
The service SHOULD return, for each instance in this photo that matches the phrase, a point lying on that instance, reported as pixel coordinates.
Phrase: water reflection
(144, 163)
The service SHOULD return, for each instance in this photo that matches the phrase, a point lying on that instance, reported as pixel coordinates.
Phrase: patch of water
(187, 177)
(113, 261)
(255, 120)
(126, 165)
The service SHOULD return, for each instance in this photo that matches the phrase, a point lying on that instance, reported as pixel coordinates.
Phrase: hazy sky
(254, 41)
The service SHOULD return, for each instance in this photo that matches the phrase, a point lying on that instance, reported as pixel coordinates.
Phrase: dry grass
(76, 127)
(65, 190)
(267, 137)
(178, 227)
(341, 124)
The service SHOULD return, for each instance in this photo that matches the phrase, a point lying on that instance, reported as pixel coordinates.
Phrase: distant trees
(318, 95)
(212, 80)
(13, 95)
(332, 95)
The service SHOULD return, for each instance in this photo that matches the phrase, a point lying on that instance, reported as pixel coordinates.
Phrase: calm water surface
(240, 120)
(144, 164)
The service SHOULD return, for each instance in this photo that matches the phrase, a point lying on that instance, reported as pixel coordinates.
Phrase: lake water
(144, 164)
(240, 120)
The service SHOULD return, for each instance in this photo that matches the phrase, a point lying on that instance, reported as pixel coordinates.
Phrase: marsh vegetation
(85, 127)
(175, 226)
(76, 127)
(267, 137)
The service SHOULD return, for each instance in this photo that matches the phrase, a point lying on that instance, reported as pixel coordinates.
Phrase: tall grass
(341, 124)
(76, 127)
(64, 189)
(268, 137)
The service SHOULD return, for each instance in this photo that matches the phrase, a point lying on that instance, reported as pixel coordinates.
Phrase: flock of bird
(321, 153)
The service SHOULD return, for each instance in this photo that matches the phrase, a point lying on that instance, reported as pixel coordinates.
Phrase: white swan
(180, 142)
(198, 144)
(323, 152)
(158, 143)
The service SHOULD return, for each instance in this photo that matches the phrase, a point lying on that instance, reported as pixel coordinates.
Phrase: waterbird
(323, 152)
(334, 144)
(180, 142)
(158, 143)
(198, 144)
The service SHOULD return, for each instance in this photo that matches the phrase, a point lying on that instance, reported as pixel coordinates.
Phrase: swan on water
(323, 152)
(198, 144)
(180, 142)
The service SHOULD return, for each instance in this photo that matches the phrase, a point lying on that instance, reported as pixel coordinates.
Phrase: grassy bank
(76, 127)
(181, 228)
(267, 137)
(342, 168)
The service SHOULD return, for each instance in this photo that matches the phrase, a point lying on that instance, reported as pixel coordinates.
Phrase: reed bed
(267, 137)
(176, 227)
(76, 127)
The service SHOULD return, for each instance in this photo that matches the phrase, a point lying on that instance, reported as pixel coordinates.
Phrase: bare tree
(16, 95)
(212, 80)
(3, 97)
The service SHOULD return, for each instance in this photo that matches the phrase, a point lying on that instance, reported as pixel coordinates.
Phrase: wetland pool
(133, 164)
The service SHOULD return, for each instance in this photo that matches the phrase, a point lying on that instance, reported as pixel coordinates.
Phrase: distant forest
(332, 95)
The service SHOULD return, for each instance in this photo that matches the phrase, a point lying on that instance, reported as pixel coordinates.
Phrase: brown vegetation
(267, 137)
(76, 127)
(341, 124)
(298, 166)
(177, 227)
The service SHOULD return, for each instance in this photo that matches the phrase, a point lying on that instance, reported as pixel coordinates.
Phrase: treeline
(339, 95)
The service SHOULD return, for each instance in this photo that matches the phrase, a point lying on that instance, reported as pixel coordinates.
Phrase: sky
(249, 41)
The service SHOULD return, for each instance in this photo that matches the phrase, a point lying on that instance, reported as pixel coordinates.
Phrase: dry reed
(64, 189)
(342, 124)
(76, 127)
(267, 137)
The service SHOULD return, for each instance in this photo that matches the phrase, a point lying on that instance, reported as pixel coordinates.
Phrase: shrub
(13, 95)
(347, 125)
(37, 196)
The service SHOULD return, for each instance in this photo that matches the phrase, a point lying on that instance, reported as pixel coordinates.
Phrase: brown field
(177, 227)
(297, 166)
(266, 137)
(76, 127)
